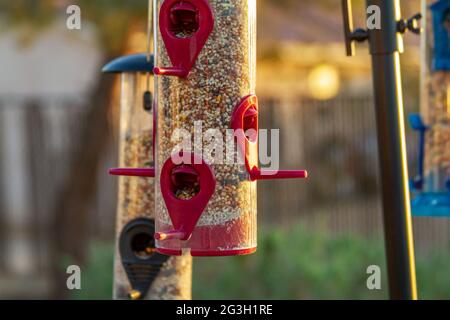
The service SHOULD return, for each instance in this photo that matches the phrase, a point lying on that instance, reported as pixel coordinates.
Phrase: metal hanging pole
(385, 47)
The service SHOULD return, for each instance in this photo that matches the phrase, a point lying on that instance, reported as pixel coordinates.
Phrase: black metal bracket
(140, 261)
(360, 35)
(351, 35)
(412, 24)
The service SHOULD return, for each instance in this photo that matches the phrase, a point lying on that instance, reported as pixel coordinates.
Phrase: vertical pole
(385, 48)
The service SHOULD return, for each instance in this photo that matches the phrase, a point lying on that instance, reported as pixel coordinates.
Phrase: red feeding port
(185, 212)
(185, 26)
(184, 20)
(245, 123)
(224, 239)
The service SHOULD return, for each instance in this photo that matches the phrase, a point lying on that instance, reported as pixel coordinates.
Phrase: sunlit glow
(324, 82)
(137, 42)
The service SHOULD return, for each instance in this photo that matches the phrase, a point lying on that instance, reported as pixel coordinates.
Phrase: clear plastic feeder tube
(436, 97)
(204, 100)
(136, 195)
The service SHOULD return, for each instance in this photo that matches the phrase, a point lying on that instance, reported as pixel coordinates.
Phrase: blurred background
(58, 137)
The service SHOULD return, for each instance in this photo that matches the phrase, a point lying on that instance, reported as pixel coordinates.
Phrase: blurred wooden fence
(336, 141)
(39, 140)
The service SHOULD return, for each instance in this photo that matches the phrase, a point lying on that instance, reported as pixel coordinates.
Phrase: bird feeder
(137, 264)
(205, 58)
(431, 187)
(440, 12)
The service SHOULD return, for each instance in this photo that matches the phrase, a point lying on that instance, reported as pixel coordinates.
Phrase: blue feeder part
(416, 123)
(441, 33)
(431, 194)
(429, 204)
(129, 64)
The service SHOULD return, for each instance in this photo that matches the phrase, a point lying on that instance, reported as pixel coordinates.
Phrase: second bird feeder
(431, 186)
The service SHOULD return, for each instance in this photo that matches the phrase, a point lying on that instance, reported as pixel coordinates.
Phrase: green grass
(97, 276)
(293, 264)
(298, 263)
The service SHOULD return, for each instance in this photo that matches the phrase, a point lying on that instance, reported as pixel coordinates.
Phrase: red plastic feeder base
(208, 253)
(233, 238)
